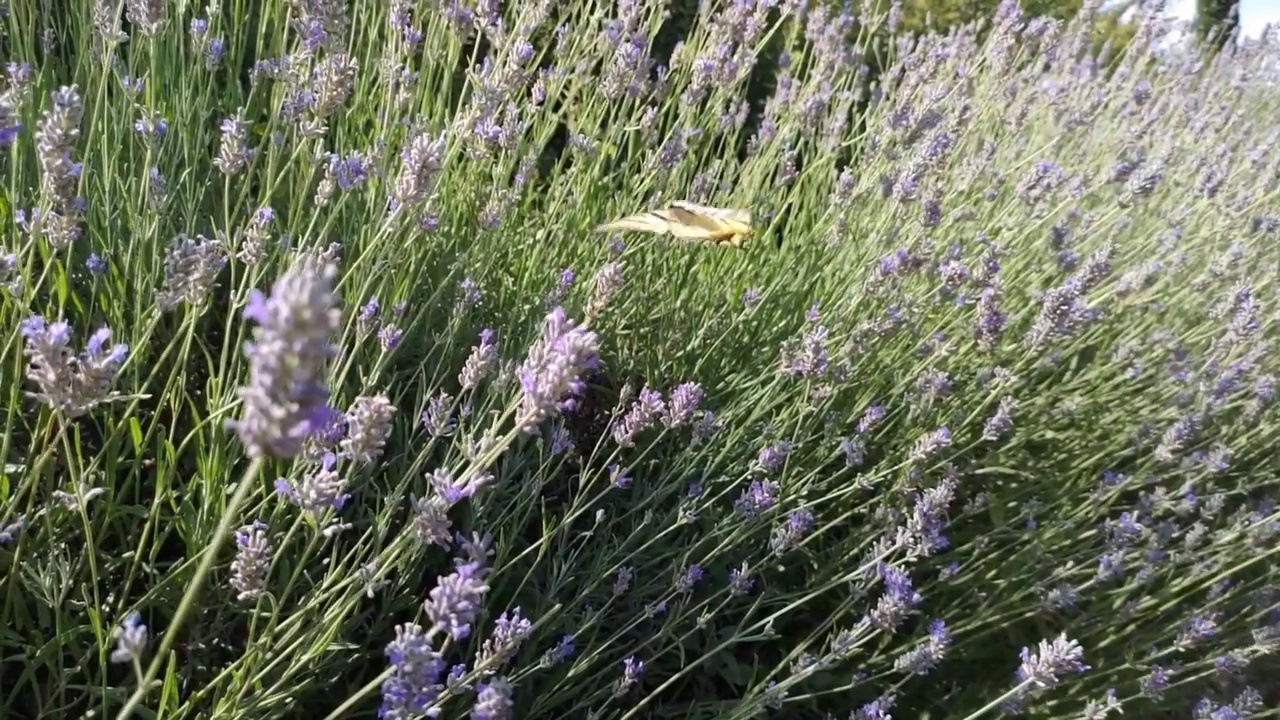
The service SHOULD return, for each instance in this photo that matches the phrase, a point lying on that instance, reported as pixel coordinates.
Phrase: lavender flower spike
(286, 398)
(552, 369)
(70, 385)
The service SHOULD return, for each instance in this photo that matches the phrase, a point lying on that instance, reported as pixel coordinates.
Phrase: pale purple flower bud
(870, 418)
(772, 458)
(234, 153)
(368, 422)
(389, 337)
(509, 633)
(798, 524)
(632, 669)
(453, 604)
(688, 579)
(414, 685)
(70, 385)
(682, 406)
(131, 639)
(56, 137)
(286, 398)
(647, 409)
(705, 428)
(452, 490)
(553, 368)
(191, 269)
(421, 162)
(925, 656)
(252, 562)
(438, 418)
(1043, 668)
(741, 581)
(320, 490)
(493, 701)
(607, 283)
(469, 295)
(898, 602)
(622, 581)
(145, 15)
(480, 363)
(929, 445)
(431, 522)
(758, 498)
(332, 81)
(999, 425)
(10, 531)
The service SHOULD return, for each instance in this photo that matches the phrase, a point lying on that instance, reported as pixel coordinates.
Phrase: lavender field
(323, 400)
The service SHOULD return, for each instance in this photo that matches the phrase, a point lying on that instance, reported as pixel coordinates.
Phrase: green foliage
(1217, 21)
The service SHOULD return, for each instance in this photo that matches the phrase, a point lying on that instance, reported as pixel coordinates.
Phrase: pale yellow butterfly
(687, 221)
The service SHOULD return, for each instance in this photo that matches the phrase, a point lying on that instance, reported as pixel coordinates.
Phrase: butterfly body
(727, 227)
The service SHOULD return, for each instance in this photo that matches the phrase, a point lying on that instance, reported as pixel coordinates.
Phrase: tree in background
(1217, 22)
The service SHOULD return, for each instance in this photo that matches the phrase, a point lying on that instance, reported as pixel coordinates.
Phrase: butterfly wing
(689, 224)
(643, 222)
(723, 226)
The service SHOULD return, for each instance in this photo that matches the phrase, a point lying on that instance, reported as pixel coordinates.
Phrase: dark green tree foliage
(1217, 21)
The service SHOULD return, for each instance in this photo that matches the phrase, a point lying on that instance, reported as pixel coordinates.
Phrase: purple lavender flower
(898, 602)
(286, 398)
(421, 162)
(438, 418)
(70, 385)
(929, 445)
(741, 581)
(480, 363)
(772, 458)
(1042, 668)
(562, 651)
(469, 295)
(553, 368)
(691, 576)
(131, 639)
(705, 428)
(147, 16)
(682, 405)
(389, 337)
(561, 290)
(10, 531)
(759, 497)
(453, 490)
(799, 523)
(870, 418)
(431, 523)
(646, 410)
(191, 269)
(1154, 685)
(322, 489)
(999, 424)
(509, 633)
(56, 136)
(926, 522)
(925, 656)
(493, 701)
(608, 281)
(252, 562)
(413, 687)
(234, 153)
(632, 669)
(454, 602)
(368, 422)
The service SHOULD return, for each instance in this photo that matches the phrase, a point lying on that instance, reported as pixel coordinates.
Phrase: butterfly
(687, 221)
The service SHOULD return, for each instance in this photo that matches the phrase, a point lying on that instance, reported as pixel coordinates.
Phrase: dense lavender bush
(324, 401)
